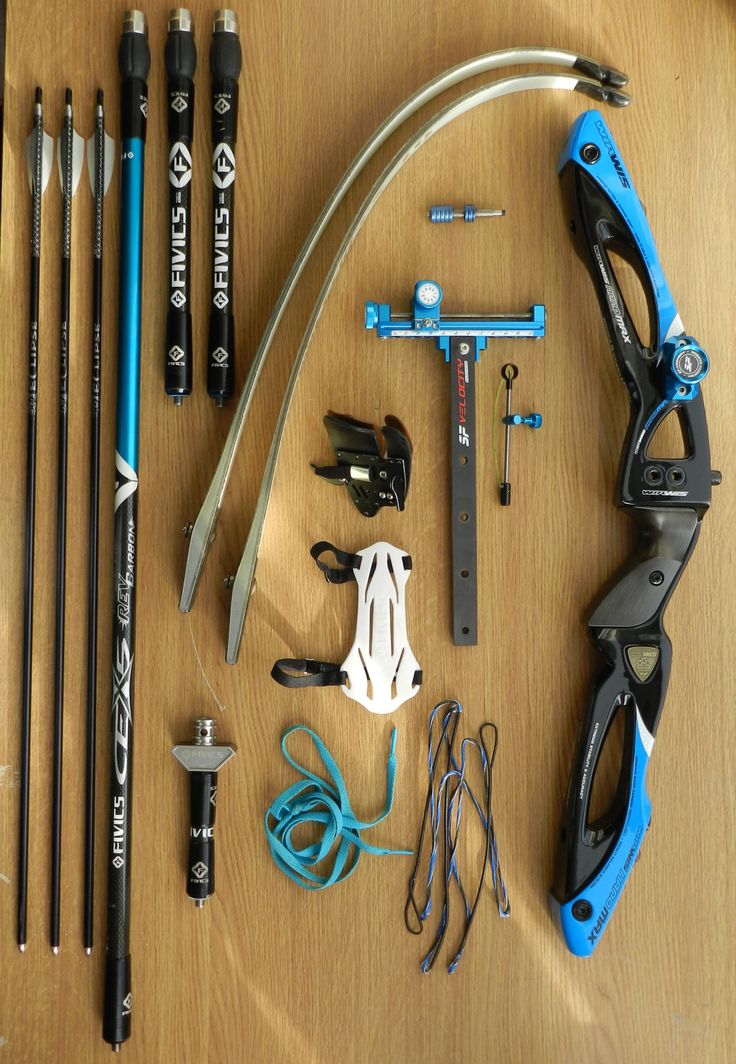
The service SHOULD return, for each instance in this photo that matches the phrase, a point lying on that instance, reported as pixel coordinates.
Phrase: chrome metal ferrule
(204, 731)
(226, 21)
(135, 22)
(180, 19)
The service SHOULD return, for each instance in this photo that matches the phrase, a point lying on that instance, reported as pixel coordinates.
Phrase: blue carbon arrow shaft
(134, 60)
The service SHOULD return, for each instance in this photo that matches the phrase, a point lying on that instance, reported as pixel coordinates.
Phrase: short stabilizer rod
(181, 63)
(202, 758)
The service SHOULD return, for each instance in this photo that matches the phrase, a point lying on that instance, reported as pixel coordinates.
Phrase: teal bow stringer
(316, 801)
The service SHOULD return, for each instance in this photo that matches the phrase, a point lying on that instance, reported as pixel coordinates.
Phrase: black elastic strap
(305, 672)
(336, 576)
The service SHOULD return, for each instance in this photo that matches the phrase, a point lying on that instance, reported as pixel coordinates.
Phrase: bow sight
(461, 338)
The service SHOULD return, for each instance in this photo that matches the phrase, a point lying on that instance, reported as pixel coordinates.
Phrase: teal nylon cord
(313, 800)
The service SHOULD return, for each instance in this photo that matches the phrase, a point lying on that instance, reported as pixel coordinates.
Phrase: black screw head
(590, 153)
(656, 578)
(582, 910)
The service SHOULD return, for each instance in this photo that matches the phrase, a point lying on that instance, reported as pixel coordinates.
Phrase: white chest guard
(380, 671)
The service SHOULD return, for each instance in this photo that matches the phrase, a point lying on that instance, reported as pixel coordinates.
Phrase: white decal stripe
(124, 491)
(647, 739)
(124, 469)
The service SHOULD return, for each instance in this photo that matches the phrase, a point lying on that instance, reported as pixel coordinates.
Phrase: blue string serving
(314, 802)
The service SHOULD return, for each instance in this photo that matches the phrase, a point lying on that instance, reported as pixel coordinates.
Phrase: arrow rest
(374, 464)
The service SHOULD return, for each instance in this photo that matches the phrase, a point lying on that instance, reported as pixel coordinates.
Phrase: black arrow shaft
(94, 524)
(25, 740)
(61, 507)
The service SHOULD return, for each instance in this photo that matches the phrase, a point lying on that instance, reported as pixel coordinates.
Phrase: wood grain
(267, 973)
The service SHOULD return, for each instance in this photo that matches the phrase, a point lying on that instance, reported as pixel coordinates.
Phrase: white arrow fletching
(48, 160)
(109, 160)
(77, 158)
(109, 150)
(91, 162)
(30, 157)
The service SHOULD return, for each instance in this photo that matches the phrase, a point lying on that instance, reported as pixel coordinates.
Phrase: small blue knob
(534, 421)
(371, 315)
(687, 365)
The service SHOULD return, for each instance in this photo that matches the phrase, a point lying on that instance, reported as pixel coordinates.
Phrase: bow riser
(667, 498)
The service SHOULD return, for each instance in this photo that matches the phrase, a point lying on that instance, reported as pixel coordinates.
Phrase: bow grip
(595, 858)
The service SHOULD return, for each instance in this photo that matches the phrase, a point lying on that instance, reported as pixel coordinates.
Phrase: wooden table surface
(266, 972)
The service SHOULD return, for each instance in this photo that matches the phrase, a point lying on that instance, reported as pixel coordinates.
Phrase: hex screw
(582, 910)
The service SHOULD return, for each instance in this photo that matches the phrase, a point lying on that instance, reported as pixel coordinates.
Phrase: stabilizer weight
(202, 759)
